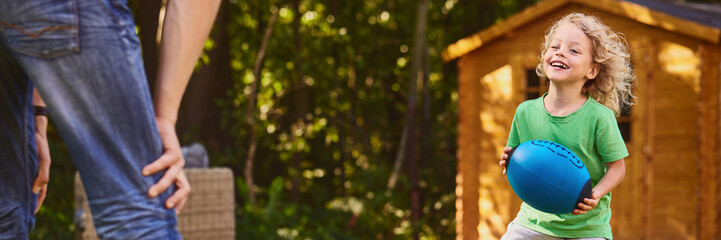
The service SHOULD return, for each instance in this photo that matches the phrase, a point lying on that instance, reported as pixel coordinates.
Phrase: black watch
(41, 111)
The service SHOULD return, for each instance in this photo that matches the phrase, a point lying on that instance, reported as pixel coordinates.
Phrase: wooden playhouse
(671, 189)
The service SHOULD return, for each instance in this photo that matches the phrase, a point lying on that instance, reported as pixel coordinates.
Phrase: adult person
(84, 58)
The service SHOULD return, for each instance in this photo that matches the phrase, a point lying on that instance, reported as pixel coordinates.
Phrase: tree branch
(250, 116)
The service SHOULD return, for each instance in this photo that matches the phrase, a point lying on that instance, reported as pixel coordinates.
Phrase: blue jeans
(84, 58)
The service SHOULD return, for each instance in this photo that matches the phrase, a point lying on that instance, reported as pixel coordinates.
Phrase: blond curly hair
(612, 86)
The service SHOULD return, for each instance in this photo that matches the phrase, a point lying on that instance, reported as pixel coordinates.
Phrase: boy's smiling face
(569, 57)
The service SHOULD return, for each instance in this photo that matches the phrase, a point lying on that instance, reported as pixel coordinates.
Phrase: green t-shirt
(592, 133)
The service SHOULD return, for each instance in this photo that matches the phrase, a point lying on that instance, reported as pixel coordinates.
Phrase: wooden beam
(654, 18)
(468, 153)
(709, 141)
(625, 9)
(649, 149)
(470, 43)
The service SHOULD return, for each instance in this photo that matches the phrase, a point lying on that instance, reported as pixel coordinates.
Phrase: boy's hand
(588, 204)
(504, 158)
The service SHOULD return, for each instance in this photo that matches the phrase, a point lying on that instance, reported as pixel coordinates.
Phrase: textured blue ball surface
(548, 176)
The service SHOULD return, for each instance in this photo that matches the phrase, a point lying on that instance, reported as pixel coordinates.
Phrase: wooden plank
(675, 106)
(675, 88)
(677, 166)
(675, 215)
(626, 220)
(649, 64)
(673, 142)
(682, 188)
(668, 104)
(709, 141)
(468, 148)
(675, 92)
(686, 116)
(682, 123)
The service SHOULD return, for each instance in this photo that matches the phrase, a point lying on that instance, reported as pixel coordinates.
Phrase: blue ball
(548, 176)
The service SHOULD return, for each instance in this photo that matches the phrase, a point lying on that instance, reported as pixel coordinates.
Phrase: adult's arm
(40, 185)
(186, 26)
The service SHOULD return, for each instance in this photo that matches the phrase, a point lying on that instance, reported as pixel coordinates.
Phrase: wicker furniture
(209, 212)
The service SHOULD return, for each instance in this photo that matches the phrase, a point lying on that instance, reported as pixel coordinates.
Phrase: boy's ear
(595, 68)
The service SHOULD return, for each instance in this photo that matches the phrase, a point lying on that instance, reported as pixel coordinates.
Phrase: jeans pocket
(40, 28)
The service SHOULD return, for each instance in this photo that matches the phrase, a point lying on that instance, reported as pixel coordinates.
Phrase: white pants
(518, 232)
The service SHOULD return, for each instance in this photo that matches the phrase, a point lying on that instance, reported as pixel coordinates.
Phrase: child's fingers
(590, 202)
(584, 207)
(506, 150)
(504, 159)
(503, 164)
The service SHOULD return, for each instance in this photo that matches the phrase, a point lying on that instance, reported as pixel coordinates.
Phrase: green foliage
(354, 62)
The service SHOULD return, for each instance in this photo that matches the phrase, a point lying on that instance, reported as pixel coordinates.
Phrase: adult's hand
(181, 194)
(172, 161)
(40, 185)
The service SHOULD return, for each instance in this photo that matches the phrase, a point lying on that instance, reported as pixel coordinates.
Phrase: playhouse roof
(699, 21)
